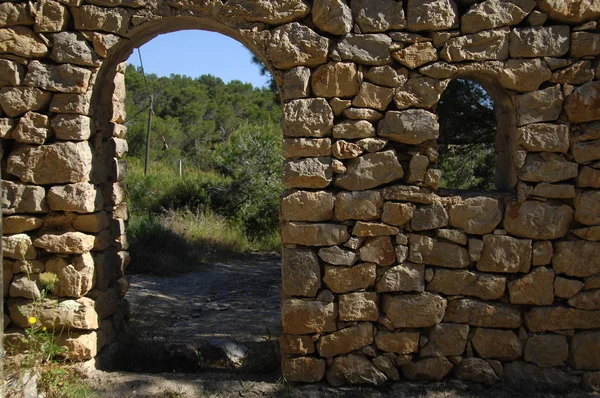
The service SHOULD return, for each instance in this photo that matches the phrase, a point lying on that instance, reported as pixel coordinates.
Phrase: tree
(467, 155)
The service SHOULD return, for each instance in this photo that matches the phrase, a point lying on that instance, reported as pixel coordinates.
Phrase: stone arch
(374, 261)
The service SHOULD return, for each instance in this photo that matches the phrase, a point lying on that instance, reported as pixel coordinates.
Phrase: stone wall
(384, 276)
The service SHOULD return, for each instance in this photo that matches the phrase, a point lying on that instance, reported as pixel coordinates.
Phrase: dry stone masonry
(385, 277)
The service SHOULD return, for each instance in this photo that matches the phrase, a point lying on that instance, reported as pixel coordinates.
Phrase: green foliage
(467, 155)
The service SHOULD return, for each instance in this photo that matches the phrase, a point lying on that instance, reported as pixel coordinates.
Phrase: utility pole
(150, 112)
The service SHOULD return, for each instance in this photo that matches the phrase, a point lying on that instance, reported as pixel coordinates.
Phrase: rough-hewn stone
(307, 118)
(431, 15)
(539, 106)
(367, 49)
(446, 339)
(379, 16)
(378, 250)
(433, 252)
(576, 258)
(354, 369)
(347, 279)
(583, 103)
(585, 349)
(397, 342)
(346, 340)
(499, 344)
(477, 370)
(482, 46)
(371, 170)
(308, 173)
(360, 306)
(587, 208)
(321, 234)
(300, 272)
(428, 369)
(536, 288)
(18, 100)
(467, 283)
(307, 206)
(304, 317)
(492, 14)
(414, 310)
(303, 369)
(546, 350)
(333, 16)
(537, 220)
(483, 314)
(542, 319)
(336, 79)
(413, 126)
(479, 215)
(406, 277)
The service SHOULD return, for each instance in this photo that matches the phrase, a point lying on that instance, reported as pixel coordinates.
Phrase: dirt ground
(173, 318)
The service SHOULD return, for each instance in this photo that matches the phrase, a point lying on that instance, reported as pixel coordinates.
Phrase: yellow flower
(43, 328)
(32, 320)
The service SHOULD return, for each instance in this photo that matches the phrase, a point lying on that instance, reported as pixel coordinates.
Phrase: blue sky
(197, 52)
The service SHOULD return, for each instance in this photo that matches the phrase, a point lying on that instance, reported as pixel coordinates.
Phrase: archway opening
(203, 214)
(467, 141)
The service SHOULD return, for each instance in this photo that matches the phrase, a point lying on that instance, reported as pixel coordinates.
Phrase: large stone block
(446, 339)
(416, 55)
(430, 15)
(546, 350)
(18, 224)
(18, 247)
(380, 16)
(429, 217)
(414, 310)
(337, 256)
(538, 220)
(483, 314)
(65, 243)
(31, 129)
(587, 151)
(306, 147)
(81, 197)
(587, 208)
(18, 100)
(397, 342)
(424, 249)
(305, 317)
(22, 41)
(307, 118)
(72, 127)
(539, 106)
(358, 205)
(307, 206)
(354, 369)
(307, 173)
(492, 14)
(536, 288)
(19, 198)
(550, 41)
(318, 234)
(479, 215)
(55, 313)
(543, 137)
(412, 127)
(428, 369)
(300, 272)
(353, 129)
(378, 250)
(373, 97)
(587, 300)
(585, 350)
(346, 340)
(360, 306)
(406, 277)
(72, 48)
(467, 283)
(336, 79)
(366, 49)
(482, 46)
(64, 78)
(542, 319)
(332, 16)
(303, 369)
(505, 254)
(497, 344)
(370, 171)
(112, 20)
(575, 11)
(476, 370)
(576, 258)
(75, 278)
(547, 167)
(347, 279)
(52, 164)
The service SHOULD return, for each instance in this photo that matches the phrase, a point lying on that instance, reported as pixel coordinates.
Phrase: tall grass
(175, 221)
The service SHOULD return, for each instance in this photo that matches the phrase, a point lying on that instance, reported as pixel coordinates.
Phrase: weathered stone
(567, 288)
(550, 41)
(446, 339)
(409, 194)
(300, 345)
(11, 73)
(384, 76)
(542, 137)
(63, 78)
(332, 16)
(364, 229)
(346, 150)
(51, 164)
(453, 235)
(537, 220)
(406, 277)
(71, 103)
(361, 306)
(67, 243)
(536, 288)
(542, 253)
(24, 285)
(585, 350)
(584, 44)
(72, 127)
(541, 319)
(354, 369)
(587, 300)
(300, 272)
(547, 167)
(31, 129)
(576, 258)
(378, 250)
(303, 369)
(7, 127)
(307, 118)
(417, 168)
(524, 74)
(304, 317)
(18, 198)
(499, 344)
(428, 15)
(413, 126)
(336, 79)
(414, 310)
(546, 350)
(587, 208)
(337, 256)
(373, 96)
(15, 14)
(358, 205)
(591, 233)
(505, 254)
(479, 215)
(482, 46)
(429, 251)
(467, 283)
(367, 114)
(492, 14)
(307, 206)
(584, 103)
(578, 73)
(439, 70)
(346, 340)
(397, 213)
(296, 45)
(571, 12)
(370, 171)
(397, 342)
(367, 49)
(51, 16)
(18, 100)
(272, 12)
(314, 234)
(306, 147)
(416, 55)
(112, 20)
(19, 224)
(347, 279)
(55, 313)
(307, 173)
(539, 106)
(296, 83)
(591, 381)
(482, 314)
(81, 197)
(74, 279)
(422, 92)
(18, 247)
(429, 217)
(93, 223)
(372, 144)
(528, 377)
(22, 41)
(428, 369)
(72, 48)
(587, 151)
(353, 129)
(380, 16)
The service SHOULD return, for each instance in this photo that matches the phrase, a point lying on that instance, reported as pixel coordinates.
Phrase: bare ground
(161, 354)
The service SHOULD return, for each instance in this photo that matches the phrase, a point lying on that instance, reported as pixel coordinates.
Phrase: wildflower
(32, 320)
(43, 328)
(48, 280)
